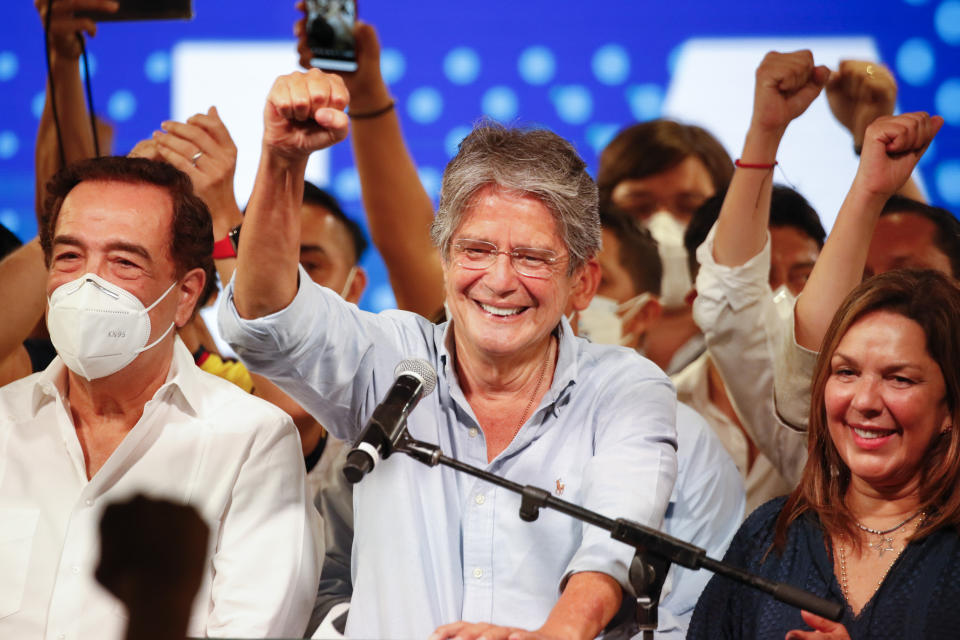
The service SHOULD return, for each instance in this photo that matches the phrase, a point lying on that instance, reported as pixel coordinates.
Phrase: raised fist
(786, 85)
(304, 113)
(859, 93)
(892, 146)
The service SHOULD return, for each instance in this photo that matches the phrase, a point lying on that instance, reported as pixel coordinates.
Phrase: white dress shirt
(761, 480)
(750, 337)
(431, 545)
(201, 441)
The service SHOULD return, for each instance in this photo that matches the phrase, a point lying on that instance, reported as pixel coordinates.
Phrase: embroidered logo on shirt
(560, 487)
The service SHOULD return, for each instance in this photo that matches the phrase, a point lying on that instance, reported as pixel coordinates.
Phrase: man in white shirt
(124, 410)
(740, 311)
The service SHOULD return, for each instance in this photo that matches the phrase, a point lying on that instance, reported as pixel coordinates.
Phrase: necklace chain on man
(533, 396)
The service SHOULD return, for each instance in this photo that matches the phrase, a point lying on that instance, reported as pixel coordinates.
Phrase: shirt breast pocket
(17, 528)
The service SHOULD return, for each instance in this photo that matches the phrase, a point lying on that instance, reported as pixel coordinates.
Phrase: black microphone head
(419, 369)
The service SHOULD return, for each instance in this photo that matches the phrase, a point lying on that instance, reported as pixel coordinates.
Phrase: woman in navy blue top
(874, 521)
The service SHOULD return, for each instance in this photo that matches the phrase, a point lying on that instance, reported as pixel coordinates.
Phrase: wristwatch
(226, 247)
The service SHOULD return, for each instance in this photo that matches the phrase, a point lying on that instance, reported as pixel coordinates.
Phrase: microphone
(415, 378)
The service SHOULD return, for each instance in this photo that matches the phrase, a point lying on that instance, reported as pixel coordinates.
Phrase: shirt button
(88, 502)
(61, 636)
(472, 432)
(75, 569)
(478, 573)
(480, 499)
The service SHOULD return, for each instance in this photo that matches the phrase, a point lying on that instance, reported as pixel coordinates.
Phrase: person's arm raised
(398, 208)
(892, 146)
(858, 93)
(786, 84)
(399, 211)
(66, 31)
(304, 113)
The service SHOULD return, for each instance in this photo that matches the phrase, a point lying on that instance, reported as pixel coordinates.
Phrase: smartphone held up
(330, 34)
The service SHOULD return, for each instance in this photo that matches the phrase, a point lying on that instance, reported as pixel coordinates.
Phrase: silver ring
(196, 157)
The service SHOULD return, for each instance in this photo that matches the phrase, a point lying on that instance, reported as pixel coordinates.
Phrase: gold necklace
(842, 556)
(533, 396)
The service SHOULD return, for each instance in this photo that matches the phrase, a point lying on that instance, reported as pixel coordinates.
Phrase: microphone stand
(662, 548)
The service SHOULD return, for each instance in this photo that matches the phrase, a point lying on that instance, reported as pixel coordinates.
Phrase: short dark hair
(787, 209)
(790, 209)
(312, 194)
(639, 254)
(946, 237)
(648, 148)
(191, 228)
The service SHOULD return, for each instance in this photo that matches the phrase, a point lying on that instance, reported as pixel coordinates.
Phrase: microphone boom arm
(642, 538)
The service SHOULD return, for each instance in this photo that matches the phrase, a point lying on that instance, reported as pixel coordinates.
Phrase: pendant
(883, 544)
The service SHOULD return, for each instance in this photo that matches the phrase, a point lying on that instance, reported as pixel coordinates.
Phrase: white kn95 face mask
(97, 327)
(676, 282)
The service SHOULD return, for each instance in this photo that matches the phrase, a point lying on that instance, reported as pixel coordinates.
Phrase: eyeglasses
(479, 254)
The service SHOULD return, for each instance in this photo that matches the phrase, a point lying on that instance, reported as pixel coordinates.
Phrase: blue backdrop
(583, 69)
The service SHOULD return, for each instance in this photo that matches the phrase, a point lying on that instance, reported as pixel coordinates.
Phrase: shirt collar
(565, 373)
(181, 378)
(568, 364)
(51, 384)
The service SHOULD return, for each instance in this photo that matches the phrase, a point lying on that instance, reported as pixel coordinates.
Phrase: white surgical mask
(603, 319)
(97, 327)
(349, 281)
(676, 282)
(783, 293)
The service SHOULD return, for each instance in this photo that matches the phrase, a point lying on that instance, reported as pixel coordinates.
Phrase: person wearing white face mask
(606, 321)
(708, 500)
(124, 410)
(331, 246)
(627, 303)
(658, 173)
(675, 283)
(97, 327)
(736, 373)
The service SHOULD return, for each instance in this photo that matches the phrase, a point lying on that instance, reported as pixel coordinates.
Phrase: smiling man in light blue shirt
(518, 394)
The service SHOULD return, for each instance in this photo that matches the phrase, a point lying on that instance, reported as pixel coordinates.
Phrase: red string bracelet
(750, 165)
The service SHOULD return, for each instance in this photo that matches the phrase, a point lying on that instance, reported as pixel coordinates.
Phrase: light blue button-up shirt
(706, 509)
(431, 545)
